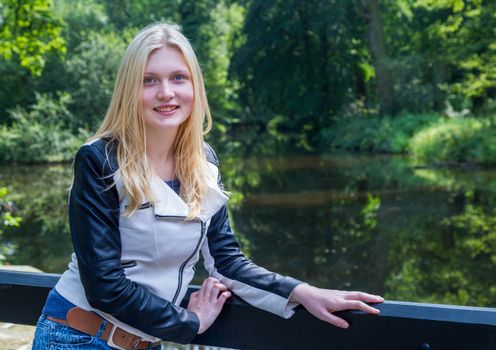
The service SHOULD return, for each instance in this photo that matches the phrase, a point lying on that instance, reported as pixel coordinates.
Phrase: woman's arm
(94, 222)
(268, 290)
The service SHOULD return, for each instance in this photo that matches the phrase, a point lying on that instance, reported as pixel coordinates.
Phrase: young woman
(145, 200)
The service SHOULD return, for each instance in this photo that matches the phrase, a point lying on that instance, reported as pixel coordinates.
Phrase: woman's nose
(165, 91)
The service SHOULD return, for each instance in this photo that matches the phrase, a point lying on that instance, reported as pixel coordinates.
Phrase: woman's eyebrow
(181, 71)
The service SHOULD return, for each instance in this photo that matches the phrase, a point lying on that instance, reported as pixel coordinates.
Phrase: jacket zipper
(183, 265)
(142, 206)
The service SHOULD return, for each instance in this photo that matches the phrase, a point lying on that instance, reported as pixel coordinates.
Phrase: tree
(297, 65)
(378, 47)
(442, 51)
(29, 31)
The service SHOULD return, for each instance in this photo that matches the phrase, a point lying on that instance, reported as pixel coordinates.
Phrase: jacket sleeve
(224, 260)
(94, 223)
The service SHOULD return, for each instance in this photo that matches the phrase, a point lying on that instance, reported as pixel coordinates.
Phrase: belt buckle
(110, 341)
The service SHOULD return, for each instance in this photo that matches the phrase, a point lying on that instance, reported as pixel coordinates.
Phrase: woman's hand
(208, 302)
(323, 302)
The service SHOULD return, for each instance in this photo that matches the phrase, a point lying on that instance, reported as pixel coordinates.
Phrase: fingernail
(345, 325)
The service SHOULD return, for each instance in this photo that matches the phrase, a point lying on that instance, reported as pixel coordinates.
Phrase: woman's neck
(160, 153)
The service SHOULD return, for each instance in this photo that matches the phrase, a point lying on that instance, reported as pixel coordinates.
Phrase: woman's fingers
(194, 295)
(322, 303)
(359, 305)
(221, 287)
(207, 283)
(371, 298)
(334, 320)
(223, 297)
(347, 305)
(356, 301)
(208, 301)
(206, 288)
(211, 289)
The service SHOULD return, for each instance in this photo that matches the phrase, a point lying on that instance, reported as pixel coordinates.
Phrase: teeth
(165, 109)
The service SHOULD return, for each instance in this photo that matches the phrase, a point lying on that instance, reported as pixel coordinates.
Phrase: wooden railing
(400, 326)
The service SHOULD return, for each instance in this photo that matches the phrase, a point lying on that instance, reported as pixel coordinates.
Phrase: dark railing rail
(400, 326)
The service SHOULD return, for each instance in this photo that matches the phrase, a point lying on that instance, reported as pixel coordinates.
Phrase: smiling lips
(166, 109)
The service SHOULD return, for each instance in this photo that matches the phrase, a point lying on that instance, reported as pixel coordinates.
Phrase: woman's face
(167, 99)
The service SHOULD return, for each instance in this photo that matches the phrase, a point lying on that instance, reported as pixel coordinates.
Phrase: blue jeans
(55, 336)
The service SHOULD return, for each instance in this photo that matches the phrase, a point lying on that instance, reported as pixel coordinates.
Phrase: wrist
(298, 291)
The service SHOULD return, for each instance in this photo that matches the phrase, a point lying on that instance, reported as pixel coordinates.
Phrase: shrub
(467, 140)
(39, 134)
(377, 134)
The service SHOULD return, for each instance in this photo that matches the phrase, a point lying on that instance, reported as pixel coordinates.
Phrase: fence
(400, 326)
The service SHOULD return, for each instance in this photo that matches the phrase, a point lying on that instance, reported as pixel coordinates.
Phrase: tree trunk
(438, 78)
(385, 82)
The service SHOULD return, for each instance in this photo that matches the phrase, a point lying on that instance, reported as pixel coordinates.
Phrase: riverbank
(429, 138)
(432, 139)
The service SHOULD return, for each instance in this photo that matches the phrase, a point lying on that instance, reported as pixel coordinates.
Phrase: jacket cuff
(190, 329)
(288, 310)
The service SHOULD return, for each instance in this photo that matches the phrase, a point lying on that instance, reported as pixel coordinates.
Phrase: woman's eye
(178, 77)
(149, 80)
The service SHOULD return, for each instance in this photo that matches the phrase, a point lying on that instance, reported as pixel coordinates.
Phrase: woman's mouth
(165, 109)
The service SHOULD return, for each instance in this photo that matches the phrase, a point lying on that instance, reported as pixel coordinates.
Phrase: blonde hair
(124, 122)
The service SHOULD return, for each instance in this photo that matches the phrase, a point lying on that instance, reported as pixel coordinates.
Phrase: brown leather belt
(88, 322)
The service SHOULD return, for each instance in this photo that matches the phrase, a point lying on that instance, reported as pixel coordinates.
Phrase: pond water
(379, 224)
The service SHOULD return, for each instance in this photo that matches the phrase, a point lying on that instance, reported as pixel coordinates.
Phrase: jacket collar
(169, 204)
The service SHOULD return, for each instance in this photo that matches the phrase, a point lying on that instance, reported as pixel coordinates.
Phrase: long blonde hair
(124, 122)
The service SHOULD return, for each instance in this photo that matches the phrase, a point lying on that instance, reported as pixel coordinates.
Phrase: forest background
(411, 76)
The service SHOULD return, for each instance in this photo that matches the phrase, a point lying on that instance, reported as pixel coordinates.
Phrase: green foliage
(278, 73)
(81, 17)
(451, 266)
(429, 138)
(131, 13)
(8, 218)
(40, 133)
(17, 88)
(97, 33)
(298, 60)
(457, 140)
(42, 238)
(442, 50)
(29, 31)
(376, 134)
(91, 70)
(214, 41)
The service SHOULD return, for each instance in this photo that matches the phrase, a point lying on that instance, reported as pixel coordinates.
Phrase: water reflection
(40, 194)
(373, 223)
(369, 223)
